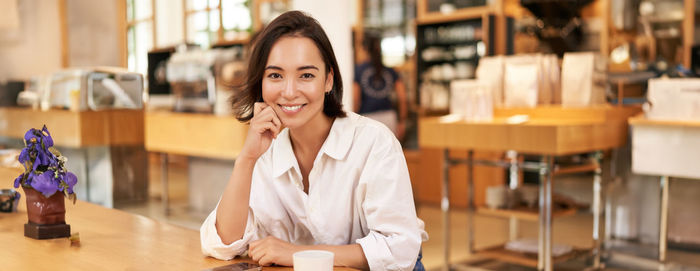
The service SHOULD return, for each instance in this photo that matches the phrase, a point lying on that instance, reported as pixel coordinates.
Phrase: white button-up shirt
(359, 192)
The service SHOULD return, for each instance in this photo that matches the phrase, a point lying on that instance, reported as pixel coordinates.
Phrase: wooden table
(551, 131)
(665, 148)
(189, 134)
(109, 240)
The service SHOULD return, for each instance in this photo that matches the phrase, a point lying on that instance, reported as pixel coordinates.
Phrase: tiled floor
(574, 230)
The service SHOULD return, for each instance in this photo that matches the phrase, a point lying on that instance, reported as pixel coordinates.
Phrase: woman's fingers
(277, 122)
(267, 115)
(257, 107)
(266, 260)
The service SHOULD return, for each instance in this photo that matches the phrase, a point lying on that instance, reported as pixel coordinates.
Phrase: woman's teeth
(291, 108)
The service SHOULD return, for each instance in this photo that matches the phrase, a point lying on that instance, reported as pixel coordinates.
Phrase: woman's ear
(329, 82)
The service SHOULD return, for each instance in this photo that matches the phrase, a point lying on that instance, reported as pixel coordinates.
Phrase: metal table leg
(164, 182)
(544, 257)
(513, 184)
(663, 227)
(445, 206)
(597, 186)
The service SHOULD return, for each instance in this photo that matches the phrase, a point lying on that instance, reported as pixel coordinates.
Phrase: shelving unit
(524, 213)
(481, 29)
(500, 253)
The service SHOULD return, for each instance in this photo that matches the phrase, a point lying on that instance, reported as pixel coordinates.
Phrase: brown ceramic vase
(45, 211)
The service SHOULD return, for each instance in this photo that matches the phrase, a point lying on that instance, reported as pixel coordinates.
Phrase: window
(237, 19)
(139, 33)
(212, 21)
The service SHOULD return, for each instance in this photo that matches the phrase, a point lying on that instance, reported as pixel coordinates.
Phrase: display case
(451, 37)
(448, 51)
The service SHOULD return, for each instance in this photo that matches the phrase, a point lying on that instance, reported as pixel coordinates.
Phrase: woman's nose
(290, 90)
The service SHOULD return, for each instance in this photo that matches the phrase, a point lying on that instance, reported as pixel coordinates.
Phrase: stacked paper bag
(490, 74)
(471, 100)
(582, 79)
(521, 80)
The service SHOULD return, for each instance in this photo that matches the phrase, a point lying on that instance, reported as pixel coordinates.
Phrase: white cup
(313, 260)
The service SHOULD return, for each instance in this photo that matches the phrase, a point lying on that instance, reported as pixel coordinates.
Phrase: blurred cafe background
(540, 134)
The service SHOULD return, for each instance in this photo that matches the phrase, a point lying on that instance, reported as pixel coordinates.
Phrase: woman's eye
(307, 76)
(274, 75)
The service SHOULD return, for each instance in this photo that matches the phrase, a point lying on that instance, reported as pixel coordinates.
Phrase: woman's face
(295, 82)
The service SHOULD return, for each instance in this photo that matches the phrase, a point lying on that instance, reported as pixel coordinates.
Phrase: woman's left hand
(270, 250)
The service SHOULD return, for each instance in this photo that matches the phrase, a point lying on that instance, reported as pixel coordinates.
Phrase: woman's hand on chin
(271, 250)
(264, 127)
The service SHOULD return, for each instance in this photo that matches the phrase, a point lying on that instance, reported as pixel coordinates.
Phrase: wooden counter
(109, 240)
(76, 129)
(202, 135)
(551, 130)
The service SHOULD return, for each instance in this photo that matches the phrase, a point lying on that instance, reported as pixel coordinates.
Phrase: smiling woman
(309, 175)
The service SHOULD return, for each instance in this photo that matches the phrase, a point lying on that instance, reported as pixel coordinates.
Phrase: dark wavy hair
(295, 24)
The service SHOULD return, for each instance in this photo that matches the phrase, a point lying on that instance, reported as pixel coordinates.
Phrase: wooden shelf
(458, 15)
(525, 259)
(523, 213)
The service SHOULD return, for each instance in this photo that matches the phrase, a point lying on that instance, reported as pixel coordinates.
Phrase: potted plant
(45, 182)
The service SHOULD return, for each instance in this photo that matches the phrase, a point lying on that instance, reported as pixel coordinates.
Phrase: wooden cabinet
(425, 168)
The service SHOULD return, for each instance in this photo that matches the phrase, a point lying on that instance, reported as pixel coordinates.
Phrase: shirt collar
(336, 145)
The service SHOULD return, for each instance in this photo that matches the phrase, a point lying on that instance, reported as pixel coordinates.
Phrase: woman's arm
(356, 97)
(403, 109)
(401, 95)
(232, 211)
(271, 250)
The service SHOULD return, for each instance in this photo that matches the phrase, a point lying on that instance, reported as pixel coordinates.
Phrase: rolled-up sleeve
(214, 247)
(395, 232)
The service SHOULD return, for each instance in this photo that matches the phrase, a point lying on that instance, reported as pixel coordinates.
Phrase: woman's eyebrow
(307, 67)
(272, 67)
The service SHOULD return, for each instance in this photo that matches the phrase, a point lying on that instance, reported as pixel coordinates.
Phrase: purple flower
(46, 137)
(30, 178)
(45, 183)
(70, 180)
(47, 173)
(29, 135)
(43, 158)
(24, 156)
(18, 180)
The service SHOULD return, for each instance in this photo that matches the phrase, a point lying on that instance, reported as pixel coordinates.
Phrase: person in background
(309, 175)
(376, 87)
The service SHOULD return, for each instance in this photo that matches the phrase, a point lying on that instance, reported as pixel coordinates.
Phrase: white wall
(34, 48)
(93, 31)
(335, 17)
